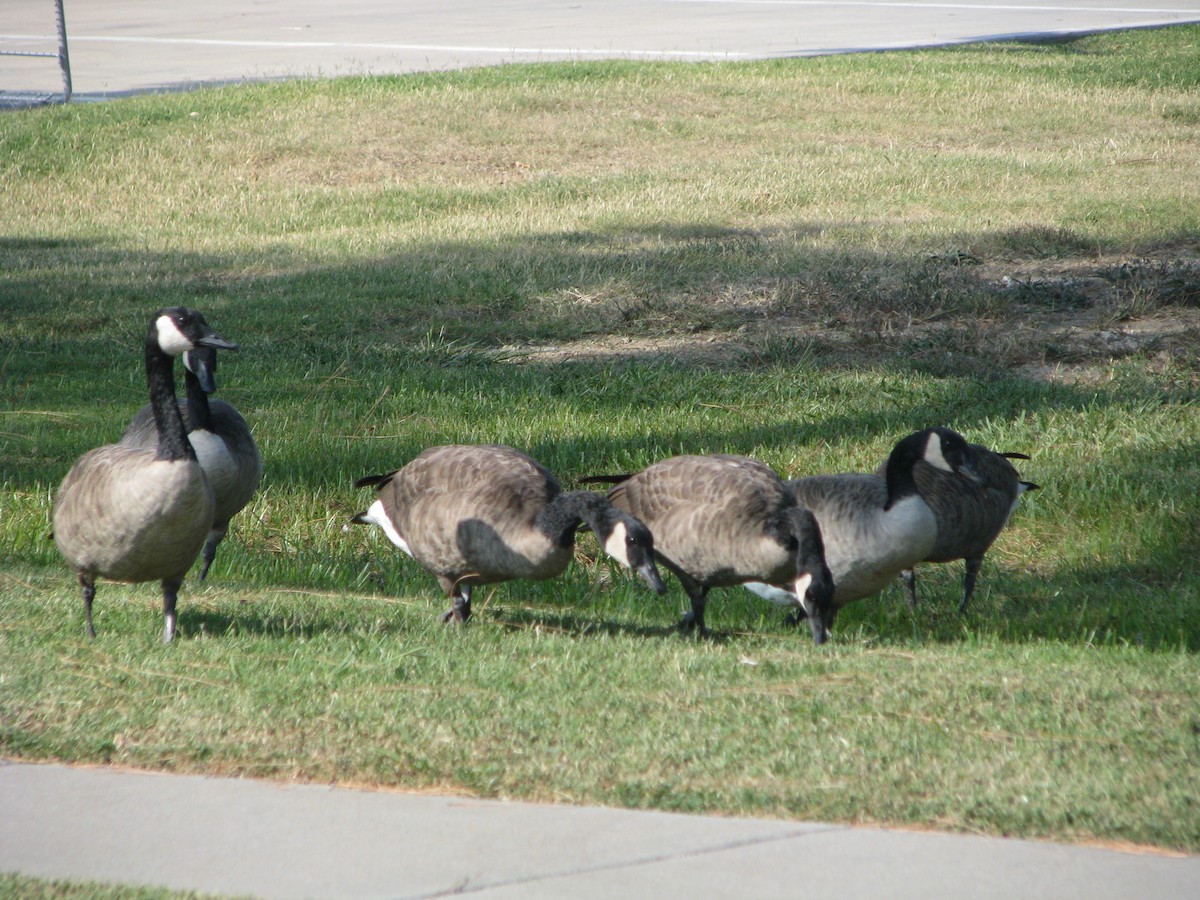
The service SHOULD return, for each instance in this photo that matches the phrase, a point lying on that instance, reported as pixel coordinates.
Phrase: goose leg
(909, 577)
(210, 548)
(460, 608)
(973, 566)
(88, 583)
(170, 588)
(693, 621)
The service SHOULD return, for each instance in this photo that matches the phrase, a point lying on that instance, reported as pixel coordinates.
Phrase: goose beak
(214, 340)
(818, 623)
(198, 365)
(967, 470)
(814, 593)
(649, 573)
(819, 632)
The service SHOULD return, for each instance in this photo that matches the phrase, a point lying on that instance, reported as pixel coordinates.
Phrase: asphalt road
(122, 46)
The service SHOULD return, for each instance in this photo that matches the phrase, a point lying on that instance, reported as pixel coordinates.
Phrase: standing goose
(482, 514)
(970, 514)
(725, 520)
(875, 526)
(131, 514)
(221, 438)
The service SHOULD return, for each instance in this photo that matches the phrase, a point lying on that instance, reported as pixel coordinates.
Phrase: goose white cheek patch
(615, 545)
(377, 515)
(802, 584)
(933, 453)
(170, 338)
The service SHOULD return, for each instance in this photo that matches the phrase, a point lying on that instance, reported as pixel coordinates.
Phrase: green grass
(13, 885)
(797, 260)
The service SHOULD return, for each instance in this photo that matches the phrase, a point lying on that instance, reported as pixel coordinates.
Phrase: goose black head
(627, 540)
(814, 582)
(939, 447)
(177, 330)
(949, 451)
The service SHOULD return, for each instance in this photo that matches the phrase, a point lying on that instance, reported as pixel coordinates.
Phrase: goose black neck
(900, 480)
(561, 517)
(160, 376)
(199, 415)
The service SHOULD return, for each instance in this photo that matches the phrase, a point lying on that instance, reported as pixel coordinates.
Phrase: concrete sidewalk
(127, 46)
(241, 837)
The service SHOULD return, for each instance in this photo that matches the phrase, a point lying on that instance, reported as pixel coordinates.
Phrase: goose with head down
(875, 526)
(724, 520)
(482, 514)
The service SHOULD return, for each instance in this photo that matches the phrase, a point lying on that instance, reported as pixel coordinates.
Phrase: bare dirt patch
(1060, 319)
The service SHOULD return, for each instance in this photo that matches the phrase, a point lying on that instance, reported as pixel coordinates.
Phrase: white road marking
(411, 48)
(963, 6)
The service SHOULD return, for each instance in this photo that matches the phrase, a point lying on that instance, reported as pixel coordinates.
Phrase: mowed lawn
(604, 264)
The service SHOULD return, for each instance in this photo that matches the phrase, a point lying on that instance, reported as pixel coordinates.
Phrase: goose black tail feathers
(604, 479)
(373, 480)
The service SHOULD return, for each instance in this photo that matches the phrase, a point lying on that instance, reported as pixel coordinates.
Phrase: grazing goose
(222, 441)
(970, 514)
(131, 514)
(875, 526)
(724, 520)
(483, 514)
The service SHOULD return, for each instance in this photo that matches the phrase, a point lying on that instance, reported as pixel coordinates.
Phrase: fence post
(64, 61)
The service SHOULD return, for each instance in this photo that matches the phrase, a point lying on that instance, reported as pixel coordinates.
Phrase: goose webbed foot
(459, 612)
(693, 621)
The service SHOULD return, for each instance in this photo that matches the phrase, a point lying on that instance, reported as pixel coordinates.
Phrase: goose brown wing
(462, 508)
(970, 515)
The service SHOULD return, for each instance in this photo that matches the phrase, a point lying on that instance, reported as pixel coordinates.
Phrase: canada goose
(481, 514)
(222, 441)
(970, 514)
(725, 520)
(132, 514)
(875, 526)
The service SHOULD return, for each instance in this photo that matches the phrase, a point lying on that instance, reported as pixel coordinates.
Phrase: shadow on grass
(331, 341)
(569, 622)
(306, 623)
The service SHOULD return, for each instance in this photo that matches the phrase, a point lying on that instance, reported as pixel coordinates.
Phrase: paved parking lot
(119, 46)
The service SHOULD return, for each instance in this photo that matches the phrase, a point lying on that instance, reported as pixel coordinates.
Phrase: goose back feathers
(481, 514)
(726, 520)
